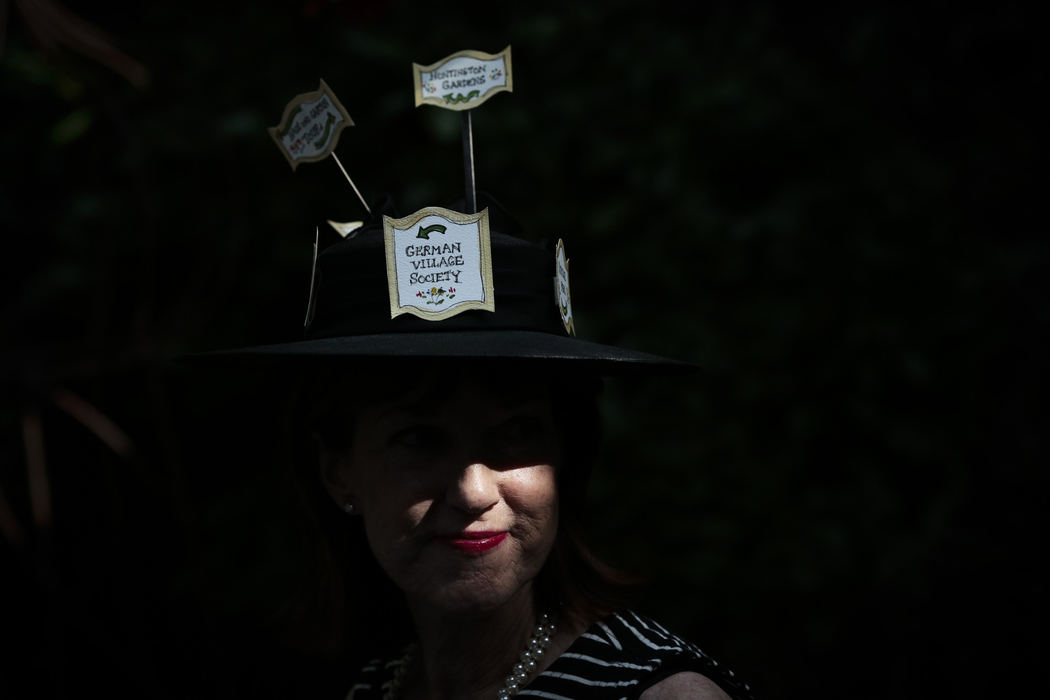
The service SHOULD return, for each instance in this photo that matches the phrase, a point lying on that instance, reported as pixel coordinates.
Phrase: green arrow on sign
(425, 232)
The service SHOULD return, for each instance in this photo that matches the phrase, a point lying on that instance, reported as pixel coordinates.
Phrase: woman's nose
(476, 490)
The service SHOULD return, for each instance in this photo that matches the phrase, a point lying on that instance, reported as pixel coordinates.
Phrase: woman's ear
(335, 474)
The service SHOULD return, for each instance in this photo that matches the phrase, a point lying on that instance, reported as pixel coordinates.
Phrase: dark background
(837, 214)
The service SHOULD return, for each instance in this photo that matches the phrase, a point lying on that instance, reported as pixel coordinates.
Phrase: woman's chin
(472, 594)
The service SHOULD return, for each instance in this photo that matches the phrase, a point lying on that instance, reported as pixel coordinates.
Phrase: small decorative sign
(310, 126)
(345, 228)
(561, 288)
(463, 80)
(438, 263)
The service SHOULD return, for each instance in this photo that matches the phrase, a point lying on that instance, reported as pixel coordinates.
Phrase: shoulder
(684, 685)
(631, 633)
(664, 664)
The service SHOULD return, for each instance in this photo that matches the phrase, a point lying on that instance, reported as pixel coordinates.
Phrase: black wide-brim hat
(351, 315)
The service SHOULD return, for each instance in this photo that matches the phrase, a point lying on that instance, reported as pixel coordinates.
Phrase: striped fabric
(616, 659)
(622, 655)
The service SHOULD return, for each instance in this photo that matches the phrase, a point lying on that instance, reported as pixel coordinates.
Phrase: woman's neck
(469, 655)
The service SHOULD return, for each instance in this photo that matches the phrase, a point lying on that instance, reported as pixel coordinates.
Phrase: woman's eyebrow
(395, 409)
(524, 404)
(523, 394)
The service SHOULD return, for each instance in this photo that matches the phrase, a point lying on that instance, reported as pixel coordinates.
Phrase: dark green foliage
(835, 213)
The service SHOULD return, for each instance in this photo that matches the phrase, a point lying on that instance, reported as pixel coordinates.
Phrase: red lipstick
(475, 542)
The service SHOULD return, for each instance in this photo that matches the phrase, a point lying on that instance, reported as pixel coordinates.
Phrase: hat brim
(461, 345)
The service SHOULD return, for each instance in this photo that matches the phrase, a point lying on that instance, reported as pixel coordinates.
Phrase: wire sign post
(461, 82)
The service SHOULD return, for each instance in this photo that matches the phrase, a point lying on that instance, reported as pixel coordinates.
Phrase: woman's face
(455, 482)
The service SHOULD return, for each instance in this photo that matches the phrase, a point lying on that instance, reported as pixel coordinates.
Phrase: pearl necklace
(522, 671)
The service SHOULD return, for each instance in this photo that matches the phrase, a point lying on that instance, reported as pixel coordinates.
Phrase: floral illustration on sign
(437, 295)
(431, 88)
(496, 73)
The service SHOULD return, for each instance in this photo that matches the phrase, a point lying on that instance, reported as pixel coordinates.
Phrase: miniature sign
(309, 129)
(345, 228)
(561, 288)
(463, 80)
(438, 263)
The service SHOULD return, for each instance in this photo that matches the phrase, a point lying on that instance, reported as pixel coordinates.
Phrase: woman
(461, 446)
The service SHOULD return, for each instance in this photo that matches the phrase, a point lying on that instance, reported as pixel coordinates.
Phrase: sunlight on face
(456, 486)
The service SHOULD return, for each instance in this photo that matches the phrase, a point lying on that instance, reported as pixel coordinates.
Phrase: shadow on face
(338, 401)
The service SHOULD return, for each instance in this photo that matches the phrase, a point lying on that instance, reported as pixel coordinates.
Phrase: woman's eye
(519, 429)
(418, 437)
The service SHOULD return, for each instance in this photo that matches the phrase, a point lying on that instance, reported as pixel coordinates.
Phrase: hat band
(357, 301)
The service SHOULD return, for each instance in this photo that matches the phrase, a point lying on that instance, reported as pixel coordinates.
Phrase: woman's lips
(475, 542)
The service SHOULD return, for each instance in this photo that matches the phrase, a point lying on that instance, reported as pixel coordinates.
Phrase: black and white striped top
(617, 658)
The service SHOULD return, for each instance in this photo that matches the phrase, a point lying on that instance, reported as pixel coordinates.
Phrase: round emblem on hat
(561, 288)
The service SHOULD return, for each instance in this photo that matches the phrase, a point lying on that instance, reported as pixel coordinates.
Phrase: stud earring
(349, 508)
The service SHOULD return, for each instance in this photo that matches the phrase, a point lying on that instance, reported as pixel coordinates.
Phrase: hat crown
(352, 293)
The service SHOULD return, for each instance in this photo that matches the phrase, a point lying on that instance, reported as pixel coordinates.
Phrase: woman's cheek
(534, 487)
